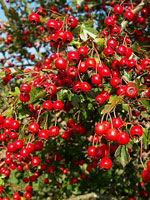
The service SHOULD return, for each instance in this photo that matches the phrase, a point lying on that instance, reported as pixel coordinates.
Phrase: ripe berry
(72, 22)
(105, 164)
(136, 131)
(111, 134)
(117, 122)
(35, 161)
(58, 105)
(73, 57)
(131, 91)
(148, 165)
(60, 63)
(91, 151)
(115, 82)
(145, 175)
(90, 63)
(109, 22)
(118, 9)
(115, 31)
(33, 127)
(128, 15)
(109, 52)
(123, 138)
(100, 129)
(85, 87)
(112, 43)
(25, 88)
(43, 134)
(82, 51)
(52, 25)
(100, 152)
(53, 131)
(96, 79)
(47, 105)
(34, 18)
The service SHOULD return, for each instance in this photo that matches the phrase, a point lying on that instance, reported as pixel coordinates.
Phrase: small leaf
(122, 155)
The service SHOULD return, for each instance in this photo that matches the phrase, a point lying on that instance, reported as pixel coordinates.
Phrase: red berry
(60, 63)
(100, 129)
(53, 131)
(33, 127)
(72, 22)
(91, 151)
(111, 134)
(35, 161)
(57, 105)
(117, 122)
(123, 138)
(105, 164)
(136, 131)
(34, 18)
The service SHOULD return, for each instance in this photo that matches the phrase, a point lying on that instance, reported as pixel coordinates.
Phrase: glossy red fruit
(131, 91)
(85, 87)
(18, 144)
(121, 90)
(115, 82)
(136, 131)
(118, 9)
(33, 127)
(60, 63)
(123, 138)
(53, 131)
(43, 134)
(25, 88)
(96, 79)
(111, 134)
(72, 22)
(52, 25)
(128, 15)
(105, 163)
(73, 57)
(115, 31)
(82, 51)
(58, 105)
(72, 72)
(90, 63)
(145, 175)
(35, 161)
(27, 195)
(47, 105)
(69, 37)
(100, 129)
(24, 97)
(109, 22)
(148, 165)
(109, 52)
(112, 43)
(117, 122)
(34, 18)
(16, 196)
(121, 50)
(14, 125)
(91, 151)
(100, 152)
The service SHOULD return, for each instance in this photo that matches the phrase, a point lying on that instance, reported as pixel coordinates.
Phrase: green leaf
(127, 75)
(76, 99)
(99, 43)
(79, 1)
(145, 138)
(2, 74)
(86, 31)
(8, 112)
(122, 155)
(125, 107)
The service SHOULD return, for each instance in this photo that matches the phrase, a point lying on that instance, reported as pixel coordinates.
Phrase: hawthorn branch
(135, 10)
(89, 196)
